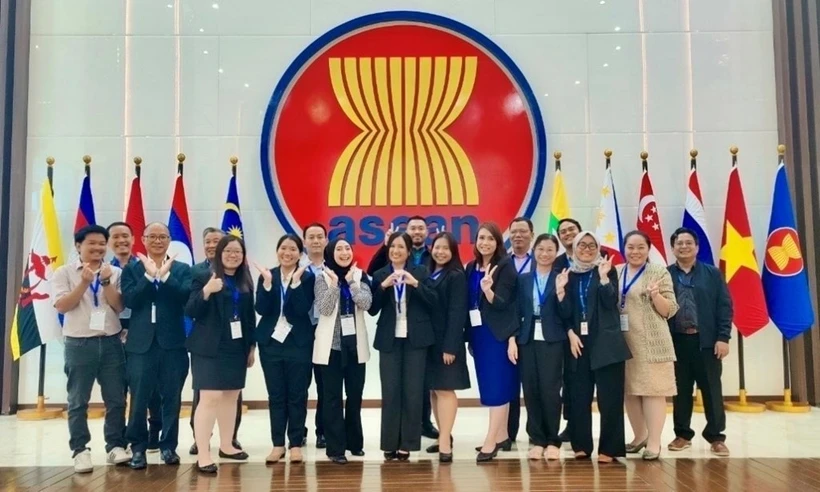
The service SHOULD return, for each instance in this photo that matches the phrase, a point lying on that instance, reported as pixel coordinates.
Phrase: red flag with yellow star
(739, 263)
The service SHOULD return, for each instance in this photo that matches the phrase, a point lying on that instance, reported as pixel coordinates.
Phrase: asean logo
(783, 257)
(402, 113)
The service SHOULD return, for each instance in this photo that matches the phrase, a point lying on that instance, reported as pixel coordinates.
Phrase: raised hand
(265, 273)
(652, 290)
(148, 263)
(389, 232)
(350, 277)
(409, 279)
(297, 275)
(105, 271)
(561, 279)
(392, 279)
(166, 267)
(487, 280)
(214, 285)
(332, 277)
(88, 274)
(604, 267)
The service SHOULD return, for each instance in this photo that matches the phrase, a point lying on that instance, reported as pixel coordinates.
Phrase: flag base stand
(40, 413)
(91, 413)
(787, 405)
(697, 407)
(244, 409)
(744, 406)
(185, 411)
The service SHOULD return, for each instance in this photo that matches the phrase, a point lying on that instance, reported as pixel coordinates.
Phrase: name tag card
(348, 325)
(97, 320)
(236, 329)
(153, 313)
(539, 331)
(624, 322)
(584, 328)
(282, 330)
(475, 317)
(401, 328)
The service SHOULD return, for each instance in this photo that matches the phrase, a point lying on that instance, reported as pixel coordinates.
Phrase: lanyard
(417, 255)
(347, 299)
(542, 291)
(436, 275)
(282, 292)
(95, 289)
(116, 261)
(398, 290)
(583, 290)
(234, 296)
(525, 264)
(627, 286)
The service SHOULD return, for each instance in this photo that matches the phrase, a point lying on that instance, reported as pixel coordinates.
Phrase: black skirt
(451, 377)
(226, 371)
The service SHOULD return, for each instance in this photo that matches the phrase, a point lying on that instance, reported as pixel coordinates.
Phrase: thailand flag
(180, 226)
(694, 218)
(85, 211)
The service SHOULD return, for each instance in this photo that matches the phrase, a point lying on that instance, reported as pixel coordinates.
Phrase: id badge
(584, 328)
(624, 322)
(539, 331)
(236, 329)
(282, 330)
(475, 317)
(401, 328)
(153, 313)
(97, 320)
(348, 325)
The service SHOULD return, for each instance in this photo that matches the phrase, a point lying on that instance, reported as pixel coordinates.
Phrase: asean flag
(739, 264)
(180, 226)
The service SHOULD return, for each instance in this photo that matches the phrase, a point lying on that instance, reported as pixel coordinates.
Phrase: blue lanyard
(475, 287)
(436, 275)
(116, 261)
(542, 291)
(234, 296)
(95, 289)
(526, 262)
(627, 286)
(282, 292)
(417, 256)
(347, 299)
(399, 291)
(583, 290)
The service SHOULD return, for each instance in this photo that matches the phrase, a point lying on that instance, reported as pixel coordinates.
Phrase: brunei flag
(559, 208)
(739, 264)
(232, 218)
(35, 320)
(85, 211)
(785, 281)
(179, 224)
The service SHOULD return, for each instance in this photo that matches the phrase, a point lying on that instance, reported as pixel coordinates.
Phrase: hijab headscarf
(578, 265)
(330, 260)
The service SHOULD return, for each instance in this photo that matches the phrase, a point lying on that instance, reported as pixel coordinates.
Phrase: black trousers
(86, 360)
(238, 413)
(701, 366)
(318, 421)
(342, 427)
(566, 391)
(402, 372)
(157, 370)
(154, 413)
(287, 382)
(541, 365)
(609, 380)
(514, 417)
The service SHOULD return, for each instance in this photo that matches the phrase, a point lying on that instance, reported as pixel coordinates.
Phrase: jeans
(86, 360)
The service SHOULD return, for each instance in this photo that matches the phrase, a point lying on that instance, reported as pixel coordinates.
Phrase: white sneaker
(118, 455)
(82, 462)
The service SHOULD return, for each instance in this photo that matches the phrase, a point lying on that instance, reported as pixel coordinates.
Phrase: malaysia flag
(694, 217)
(179, 225)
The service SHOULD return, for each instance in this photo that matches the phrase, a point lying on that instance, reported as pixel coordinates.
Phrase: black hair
(500, 252)
(571, 221)
(119, 224)
(523, 219)
(80, 235)
(417, 217)
(404, 237)
(455, 259)
(244, 281)
(290, 237)
(209, 230)
(642, 234)
(314, 224)
(546, 237)
(683, 230)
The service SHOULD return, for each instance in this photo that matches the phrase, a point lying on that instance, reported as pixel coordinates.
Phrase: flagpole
(742, 405)
(234, 162)
(41, 412)
(786, 405)
(697, 406)
(557, 156)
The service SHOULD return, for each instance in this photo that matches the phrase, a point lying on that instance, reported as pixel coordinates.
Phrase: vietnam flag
(135, 215)
(739, 263)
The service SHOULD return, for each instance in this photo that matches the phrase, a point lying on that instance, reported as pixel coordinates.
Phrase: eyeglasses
(155, 237)
(234, 252)
(587, 246)
(680, 244)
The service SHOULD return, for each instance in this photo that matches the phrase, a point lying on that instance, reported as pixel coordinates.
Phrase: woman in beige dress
(647, 299)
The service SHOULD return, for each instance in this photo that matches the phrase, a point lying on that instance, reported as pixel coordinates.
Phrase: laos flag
(180, 226)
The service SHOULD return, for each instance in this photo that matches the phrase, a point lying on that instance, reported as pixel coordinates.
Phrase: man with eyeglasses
(156, 290)
(701, 330)
(121, 243)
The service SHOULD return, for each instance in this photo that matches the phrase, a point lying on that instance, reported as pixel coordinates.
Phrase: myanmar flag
(559, 209)
(739, 263)
(35, 320)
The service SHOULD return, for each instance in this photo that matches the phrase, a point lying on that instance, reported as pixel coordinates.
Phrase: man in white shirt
(521, 236)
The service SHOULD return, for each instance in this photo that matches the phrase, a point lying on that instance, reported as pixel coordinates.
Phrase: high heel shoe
(636, 448)
(445, 457)
(486, 457)
(434, 448)
(650, 456)
(505, 446)
(207, 469)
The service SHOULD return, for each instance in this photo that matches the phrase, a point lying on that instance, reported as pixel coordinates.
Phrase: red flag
(649, 222)
(135, 215)
(739, 263)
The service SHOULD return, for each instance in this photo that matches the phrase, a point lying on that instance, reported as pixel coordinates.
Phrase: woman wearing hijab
(541, 343)
(447, 360)
(598, 347)
(341, 350)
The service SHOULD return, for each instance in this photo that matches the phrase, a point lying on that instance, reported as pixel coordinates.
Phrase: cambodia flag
(694, 217)
(785, 281)
(180, 226)
(85, 211)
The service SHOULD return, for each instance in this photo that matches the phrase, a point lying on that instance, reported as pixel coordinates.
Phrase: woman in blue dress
(492, 326)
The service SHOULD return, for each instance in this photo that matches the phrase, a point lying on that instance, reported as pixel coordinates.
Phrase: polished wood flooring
(713, 475)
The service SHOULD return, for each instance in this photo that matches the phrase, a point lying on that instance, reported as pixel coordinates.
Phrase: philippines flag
(608, 221)
(180, 226)
(85, 211)
(694, 217)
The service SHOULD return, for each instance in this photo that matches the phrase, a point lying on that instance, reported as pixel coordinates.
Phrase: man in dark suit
(210, 238)
(419, 256)
(156, 290)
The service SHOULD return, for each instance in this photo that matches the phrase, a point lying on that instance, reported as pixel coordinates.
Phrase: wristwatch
(105, 282)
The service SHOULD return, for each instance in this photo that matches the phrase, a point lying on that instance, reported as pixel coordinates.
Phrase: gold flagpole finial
(557, 155)
(644, 155)
(733, 150)
(180, 158)
(693, 153)
(234, 160)
(608, 153)
(50, 161)
(781, 149)
(87, 159)
(138, 161)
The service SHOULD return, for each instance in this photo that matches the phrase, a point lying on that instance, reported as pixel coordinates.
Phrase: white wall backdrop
(121, 78)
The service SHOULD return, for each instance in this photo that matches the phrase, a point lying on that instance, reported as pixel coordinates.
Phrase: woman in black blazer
(541, 343)
(221, 346)
(598, 348)
(492, 325)
(405, 304)
(447, 359)
(284, 299)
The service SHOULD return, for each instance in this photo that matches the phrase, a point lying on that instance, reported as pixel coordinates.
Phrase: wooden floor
(713, 475)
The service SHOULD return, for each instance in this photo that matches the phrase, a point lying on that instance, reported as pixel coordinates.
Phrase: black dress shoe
(501, 446)
(339, 460)
(236, 444)
(565, 437)
(169, 457)
(445, 457)
(433, 448)
(207, 469)
(429, 431)
(485, 457)
(402, 456)
(195, 450)
(321, 443)
(138, 461)
(390, 455)
(240, 456)
(358, 452)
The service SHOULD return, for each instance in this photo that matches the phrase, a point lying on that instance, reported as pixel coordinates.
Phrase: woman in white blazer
(341, 349)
